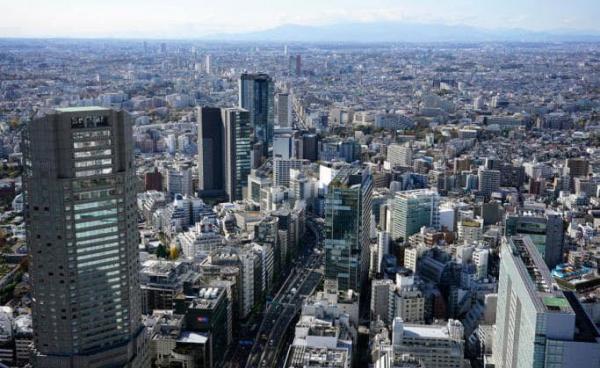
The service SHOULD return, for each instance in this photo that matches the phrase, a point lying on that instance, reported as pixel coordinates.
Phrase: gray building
(80, 185)
(545, 229)
(537, 324)
(224, 152)
(489, 181)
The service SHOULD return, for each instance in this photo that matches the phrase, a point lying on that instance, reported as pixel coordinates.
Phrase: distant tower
(256, 92)
(348, 205)
(238, 146)
(284, 110)
(80, 189)
(207, 64)
(224, 152)
(298, 65)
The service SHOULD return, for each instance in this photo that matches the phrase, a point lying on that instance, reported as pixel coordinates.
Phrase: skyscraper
(538, 325)
(237, 151)
(414, 209)
(80, 191)
(347, 223)
(284, 110)
(256, 93)
(224, 148)
(211, 154)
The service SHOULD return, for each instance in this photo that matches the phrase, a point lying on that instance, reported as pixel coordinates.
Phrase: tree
(161, 251)
(173, 252)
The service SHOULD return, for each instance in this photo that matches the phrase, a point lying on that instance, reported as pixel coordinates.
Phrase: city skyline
(187, 19)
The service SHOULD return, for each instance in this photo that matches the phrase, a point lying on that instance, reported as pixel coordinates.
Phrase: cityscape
(384, 191)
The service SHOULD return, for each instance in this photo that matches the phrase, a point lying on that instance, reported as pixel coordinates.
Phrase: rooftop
(80, 109)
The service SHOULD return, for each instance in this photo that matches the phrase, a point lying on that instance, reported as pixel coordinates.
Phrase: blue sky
(196, 18)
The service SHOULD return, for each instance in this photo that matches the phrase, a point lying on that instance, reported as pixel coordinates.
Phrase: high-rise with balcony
(80, 191)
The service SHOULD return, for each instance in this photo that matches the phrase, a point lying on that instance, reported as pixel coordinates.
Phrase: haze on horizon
(197, 19)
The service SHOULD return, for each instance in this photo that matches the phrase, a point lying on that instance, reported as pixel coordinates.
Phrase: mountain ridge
(394, 31)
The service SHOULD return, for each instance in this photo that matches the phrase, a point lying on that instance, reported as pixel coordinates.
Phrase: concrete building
(436, 346)
(281, 170)
(538, 325)
(400, 154)
(489, 181)
(82, 233)
(544, 228)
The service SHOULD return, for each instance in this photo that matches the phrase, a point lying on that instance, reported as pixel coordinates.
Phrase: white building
(436, 346)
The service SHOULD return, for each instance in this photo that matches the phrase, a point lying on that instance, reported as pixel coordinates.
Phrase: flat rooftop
(426, 331)
(80, 109)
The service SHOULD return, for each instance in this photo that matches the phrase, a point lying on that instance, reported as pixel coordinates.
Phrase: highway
(272, 335)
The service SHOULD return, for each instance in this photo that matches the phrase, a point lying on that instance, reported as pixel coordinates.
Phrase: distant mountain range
(373, 32)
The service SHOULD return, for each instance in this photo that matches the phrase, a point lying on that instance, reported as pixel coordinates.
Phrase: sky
(201, 18)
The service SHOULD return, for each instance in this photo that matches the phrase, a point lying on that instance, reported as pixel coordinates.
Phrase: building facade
(81, 215)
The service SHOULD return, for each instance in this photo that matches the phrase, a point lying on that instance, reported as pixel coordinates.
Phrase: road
(272, 336)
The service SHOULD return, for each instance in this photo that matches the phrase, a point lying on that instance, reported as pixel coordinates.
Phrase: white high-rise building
(400, 154)
(537, 324)
(207, 64)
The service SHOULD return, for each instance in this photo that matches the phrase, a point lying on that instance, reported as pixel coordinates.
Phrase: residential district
(188, 204)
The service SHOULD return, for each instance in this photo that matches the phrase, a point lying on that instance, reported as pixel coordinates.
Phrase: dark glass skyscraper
(224, 149)
(237, 151)
(80, 194)
(256, 94)
(347, 225)
(211, 153)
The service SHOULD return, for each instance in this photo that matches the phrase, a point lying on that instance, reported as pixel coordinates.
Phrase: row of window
(93, 172)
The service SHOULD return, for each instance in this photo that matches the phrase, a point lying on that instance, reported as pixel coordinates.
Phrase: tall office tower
(400, 154)
(489, 181)
(284, 110)
(537, 324)
(414, 209)
(347, 223)
(207, 64)
(256, 95)
(80, 190)
(211, 154)
(237, 151)
(544, 227)
(224, 150)
(298, 65)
